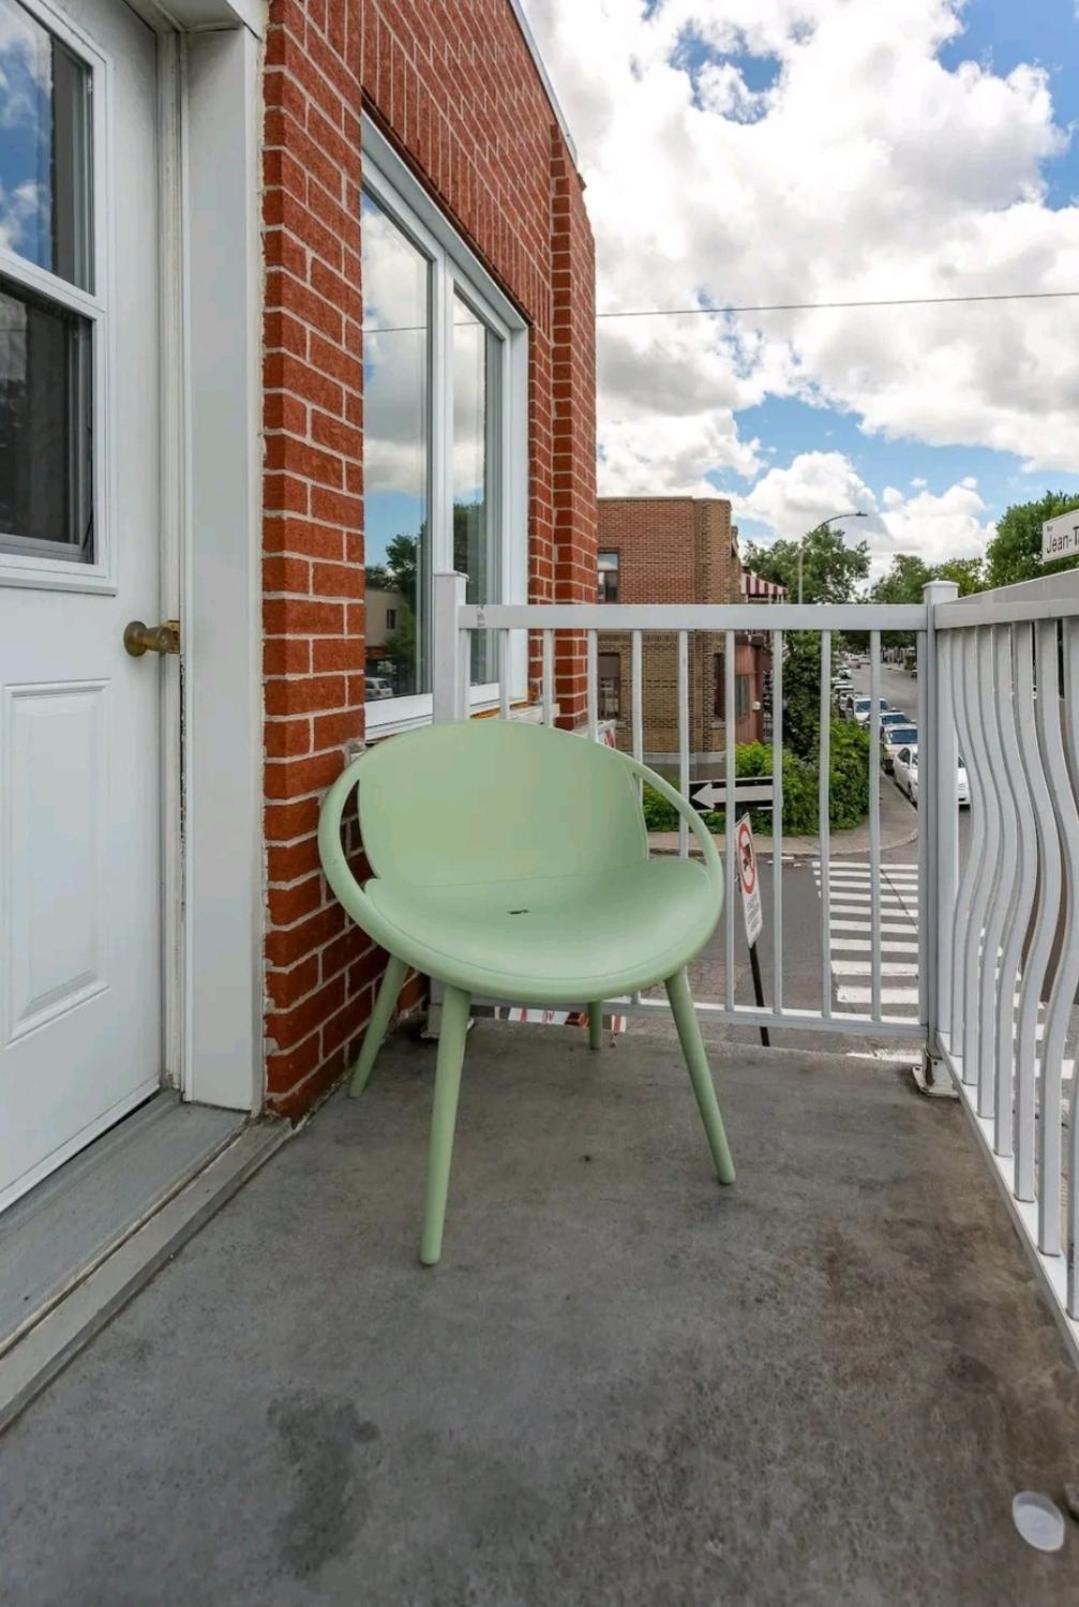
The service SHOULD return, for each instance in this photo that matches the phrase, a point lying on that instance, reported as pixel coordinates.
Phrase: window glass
(609, 668)
(46, 497)
(45, 150)
(396, 377)
(608, 577)
(474, 550)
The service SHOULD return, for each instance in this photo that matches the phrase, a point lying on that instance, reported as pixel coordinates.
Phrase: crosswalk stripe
(848, 995)
(902, 928)
(887, 900)
(864, 945)
(865, 968)
(863, 909)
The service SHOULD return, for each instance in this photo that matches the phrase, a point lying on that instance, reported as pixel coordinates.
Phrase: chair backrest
(496, 800)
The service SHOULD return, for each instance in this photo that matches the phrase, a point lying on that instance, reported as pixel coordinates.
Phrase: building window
(445, 446)
(741, 697)
(51, 309)
(609, 667)
(608, 577)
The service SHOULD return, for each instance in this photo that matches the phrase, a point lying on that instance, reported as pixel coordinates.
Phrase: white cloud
(815, 485)
(865, 170)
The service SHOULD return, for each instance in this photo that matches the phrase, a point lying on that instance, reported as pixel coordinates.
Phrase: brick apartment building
(679, 550)
(319, 275)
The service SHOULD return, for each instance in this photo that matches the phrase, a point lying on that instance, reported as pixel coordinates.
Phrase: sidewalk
(898, 826)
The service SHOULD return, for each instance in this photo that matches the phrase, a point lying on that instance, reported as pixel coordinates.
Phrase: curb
(666, 842)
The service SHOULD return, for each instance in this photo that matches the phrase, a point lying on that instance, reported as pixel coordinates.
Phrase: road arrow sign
(706, 796)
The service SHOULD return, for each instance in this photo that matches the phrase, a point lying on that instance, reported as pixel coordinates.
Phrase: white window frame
(33, 569)
(455, 268)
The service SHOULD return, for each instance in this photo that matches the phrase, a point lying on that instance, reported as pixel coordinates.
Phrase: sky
(758, 151)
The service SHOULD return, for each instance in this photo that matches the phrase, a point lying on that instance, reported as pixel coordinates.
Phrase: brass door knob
(163, 638)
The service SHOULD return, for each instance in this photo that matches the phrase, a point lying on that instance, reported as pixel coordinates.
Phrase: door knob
(163, 638)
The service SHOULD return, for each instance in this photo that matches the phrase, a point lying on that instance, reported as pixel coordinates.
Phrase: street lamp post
(855, 513)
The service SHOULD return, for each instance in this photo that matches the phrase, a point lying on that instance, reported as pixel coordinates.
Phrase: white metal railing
(455, 621)
(1007, 919)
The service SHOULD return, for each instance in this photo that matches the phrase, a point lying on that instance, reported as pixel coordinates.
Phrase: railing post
(448, 668)
(938, 828)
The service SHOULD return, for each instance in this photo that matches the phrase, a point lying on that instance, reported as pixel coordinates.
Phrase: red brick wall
(678, 550)
(453, 85)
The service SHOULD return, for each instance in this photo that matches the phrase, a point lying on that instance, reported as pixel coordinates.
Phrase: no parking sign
(752, 913)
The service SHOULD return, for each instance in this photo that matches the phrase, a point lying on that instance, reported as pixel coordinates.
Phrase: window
(609, 667)
(445, 446)
(50, 317)
(608, 577)
(742, 698)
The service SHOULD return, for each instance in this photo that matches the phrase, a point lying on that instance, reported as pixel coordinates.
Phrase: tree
(968, 574)
(832, 567)
(904, 581)
(1015, 551)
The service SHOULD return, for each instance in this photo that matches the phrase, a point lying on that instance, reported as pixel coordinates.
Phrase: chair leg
(451, 1052)
(595, 1026)
(689, 1035)
(392, 979)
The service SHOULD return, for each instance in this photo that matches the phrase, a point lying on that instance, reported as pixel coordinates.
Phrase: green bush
(848, 787)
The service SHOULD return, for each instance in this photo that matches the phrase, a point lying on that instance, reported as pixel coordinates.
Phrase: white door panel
(80, 846)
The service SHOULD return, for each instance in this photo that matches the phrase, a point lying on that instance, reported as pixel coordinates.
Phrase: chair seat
(555, 939)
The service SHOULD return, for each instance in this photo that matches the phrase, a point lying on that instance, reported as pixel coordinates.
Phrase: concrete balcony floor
(623, 1384)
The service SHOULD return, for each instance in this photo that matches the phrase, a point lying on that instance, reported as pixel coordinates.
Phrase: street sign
(746, 854)
(1060, 537)
(706, 796)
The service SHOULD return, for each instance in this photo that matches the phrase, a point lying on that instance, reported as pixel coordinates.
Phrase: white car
(859, 709)
(377, 688)
(894, 738)
(905, 770)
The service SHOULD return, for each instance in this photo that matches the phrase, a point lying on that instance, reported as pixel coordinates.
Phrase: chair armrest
(331, 852)
(709, 853)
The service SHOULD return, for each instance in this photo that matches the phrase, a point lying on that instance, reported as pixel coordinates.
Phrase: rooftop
(623, 1383)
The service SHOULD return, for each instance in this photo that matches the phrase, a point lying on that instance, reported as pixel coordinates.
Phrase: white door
(80, 845)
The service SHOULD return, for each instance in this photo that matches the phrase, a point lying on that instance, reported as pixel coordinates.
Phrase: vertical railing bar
(965, 656)
(683, 736)
(928, 832)
(1058, 888)
(592, 678)
(1014, 877)
(824, 825)
(976, 865)
(777, 820)
(447, 597)
(874, 823)
(637, 700)
(548, 677)
(946, 860)
(504, 673)
(1025, 1021)
(464, 675)
(990, 915)
(1071, 715)
(1040, 941)
(961, 912)
(729, 741)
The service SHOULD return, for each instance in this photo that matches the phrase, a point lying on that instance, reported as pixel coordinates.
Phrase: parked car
(377, 688)
(905, 770)
(890, 717)
(860, 706)
(892, 739)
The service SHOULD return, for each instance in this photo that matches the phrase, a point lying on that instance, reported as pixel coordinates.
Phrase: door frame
(210, 112)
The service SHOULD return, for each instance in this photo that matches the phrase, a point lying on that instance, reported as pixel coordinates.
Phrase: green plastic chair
(510, 861)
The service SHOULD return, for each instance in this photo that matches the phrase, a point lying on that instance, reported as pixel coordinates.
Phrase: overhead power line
(833, 306)
(783, 306)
